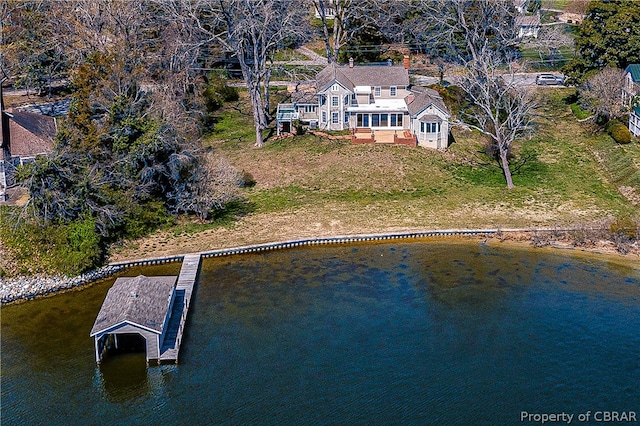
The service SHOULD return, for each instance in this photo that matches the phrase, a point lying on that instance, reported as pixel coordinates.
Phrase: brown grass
(309, 186)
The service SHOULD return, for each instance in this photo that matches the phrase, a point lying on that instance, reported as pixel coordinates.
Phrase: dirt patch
(331, 220)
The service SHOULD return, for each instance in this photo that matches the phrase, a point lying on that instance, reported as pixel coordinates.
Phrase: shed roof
(634, 70)
(140, 300)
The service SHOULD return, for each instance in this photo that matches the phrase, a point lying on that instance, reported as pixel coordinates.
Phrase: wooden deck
(184, 289)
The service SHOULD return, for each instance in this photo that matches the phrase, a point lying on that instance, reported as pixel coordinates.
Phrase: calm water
(402, 333)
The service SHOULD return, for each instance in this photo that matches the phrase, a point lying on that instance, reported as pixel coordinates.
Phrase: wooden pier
(184, 289)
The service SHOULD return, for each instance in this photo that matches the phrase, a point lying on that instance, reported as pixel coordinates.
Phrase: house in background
(631, 89)
(634, 121)
(631, 86)
(528, 25)
(376, 103)
(521, 6)
(25, 135)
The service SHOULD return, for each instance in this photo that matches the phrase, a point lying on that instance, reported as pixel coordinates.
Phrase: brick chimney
(350, 62)
(406, 62)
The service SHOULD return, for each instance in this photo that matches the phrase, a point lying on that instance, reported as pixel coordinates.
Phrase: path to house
(314, 60)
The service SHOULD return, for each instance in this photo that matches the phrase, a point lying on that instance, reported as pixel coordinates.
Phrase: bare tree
(549, 40)
(603, 93)
(501, 110)
(480, 36)
(342, 19)
(250, 29)
(461, 30)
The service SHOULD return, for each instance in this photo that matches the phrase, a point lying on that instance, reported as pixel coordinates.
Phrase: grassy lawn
(311, 186)
(289, 55)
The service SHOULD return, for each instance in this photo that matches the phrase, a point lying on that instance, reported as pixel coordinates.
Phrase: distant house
(634, 121)
(528, 26)
(376, 103)
(631, 89)
(25, 135)
(329, 13)
(521, 6)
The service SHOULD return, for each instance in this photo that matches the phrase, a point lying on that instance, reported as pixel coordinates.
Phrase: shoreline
(24, 288)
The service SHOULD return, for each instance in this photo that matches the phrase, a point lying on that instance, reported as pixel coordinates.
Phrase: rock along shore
(27, 288)
(590, 240)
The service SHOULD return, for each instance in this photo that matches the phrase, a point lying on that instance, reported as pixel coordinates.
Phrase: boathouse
(140, 306)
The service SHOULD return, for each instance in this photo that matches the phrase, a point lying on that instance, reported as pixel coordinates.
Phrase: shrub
(579, 112)
(624, 226)
(618, 131)
(83, 249)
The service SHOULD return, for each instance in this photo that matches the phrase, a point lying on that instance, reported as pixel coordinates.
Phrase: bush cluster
(618, 131)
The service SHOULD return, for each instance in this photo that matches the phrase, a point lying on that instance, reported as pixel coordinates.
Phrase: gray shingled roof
(382, 75)
(304, 98)
(141, 300)
(528, 20)
(422, 97)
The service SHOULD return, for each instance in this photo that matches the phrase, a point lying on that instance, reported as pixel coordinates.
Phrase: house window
(429, 127)
(310, 108)
(396, 120)
(384, 120)
(375, 120)
(345, 101)
(376, 91)
(335, 101)
(334, 117)
(324, 116)
(393, 90)
(322, 100)
(354, 100)
(335, 88)
(362, 120)
(346, 117)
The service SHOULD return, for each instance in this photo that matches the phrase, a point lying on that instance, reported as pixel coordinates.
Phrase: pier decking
(184, 289)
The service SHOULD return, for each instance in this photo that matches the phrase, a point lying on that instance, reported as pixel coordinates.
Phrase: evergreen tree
(608, 36)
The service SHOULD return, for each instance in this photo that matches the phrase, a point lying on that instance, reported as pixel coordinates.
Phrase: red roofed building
(25, 135)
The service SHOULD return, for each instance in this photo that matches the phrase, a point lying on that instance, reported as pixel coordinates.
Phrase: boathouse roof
(142, 301)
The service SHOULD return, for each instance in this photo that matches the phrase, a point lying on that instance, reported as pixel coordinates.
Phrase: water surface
(394, 333)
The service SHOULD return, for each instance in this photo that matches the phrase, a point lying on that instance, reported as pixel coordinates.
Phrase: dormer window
(393, 90)
(376, 91)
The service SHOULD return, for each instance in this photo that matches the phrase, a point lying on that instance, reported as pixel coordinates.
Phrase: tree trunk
(504, 161)
(325, 29)
(259, 138)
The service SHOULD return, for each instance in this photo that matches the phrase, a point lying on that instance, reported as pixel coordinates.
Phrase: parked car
(549, 79)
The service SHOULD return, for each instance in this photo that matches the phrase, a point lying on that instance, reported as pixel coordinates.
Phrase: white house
(634, 121)
(631, 86)
(374, 102)
(521, 6)
(631, 89)
(528, 25)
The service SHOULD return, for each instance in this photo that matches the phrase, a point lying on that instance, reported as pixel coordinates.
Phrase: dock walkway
(184, 289)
